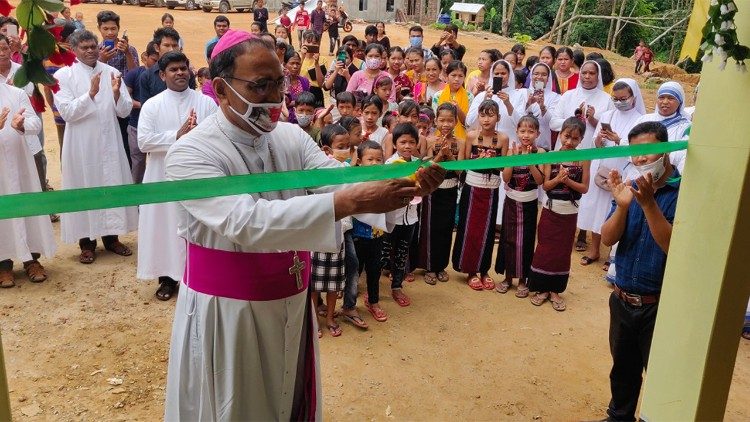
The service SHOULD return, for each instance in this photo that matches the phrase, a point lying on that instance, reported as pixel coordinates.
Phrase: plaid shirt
(119, 61)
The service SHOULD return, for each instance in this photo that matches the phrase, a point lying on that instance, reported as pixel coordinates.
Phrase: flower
(724, 9)
(731, 6)
(719, 40)
(725, 25)
(714, 2)
(706, 46)
(721, 53)
(708, 57)
(722, 65)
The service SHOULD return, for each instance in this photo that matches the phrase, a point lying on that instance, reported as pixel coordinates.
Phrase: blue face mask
(415, 41)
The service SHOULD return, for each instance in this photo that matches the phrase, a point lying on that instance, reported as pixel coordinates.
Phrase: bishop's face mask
(262, 117)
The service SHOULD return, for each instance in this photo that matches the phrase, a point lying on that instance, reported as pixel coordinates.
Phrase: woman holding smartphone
(542, 102)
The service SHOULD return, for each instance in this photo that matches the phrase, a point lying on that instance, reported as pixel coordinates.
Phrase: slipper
(323, 309)
(334, 329)
(538, 299)
(166, 290)
(377, 313)
(442, 276)
(409, 277)
(476, 284)
(7, 280)
(118, 248)
(430, 278)
(488, 283)
(402, 299)
(581, 246)
(585, 260)
(356, 320)
(35, 272)
(522, 292)
(559, 305)
(87, 257)
(503, 287)
(606, 265)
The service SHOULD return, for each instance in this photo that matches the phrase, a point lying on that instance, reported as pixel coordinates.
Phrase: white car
(187, 4)
(225, 6)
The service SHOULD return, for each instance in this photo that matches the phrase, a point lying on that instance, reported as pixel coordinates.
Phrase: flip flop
(503, 287)
(430, 278)
(334, 329)
(476, 284)
(559, 305)
(488, 283)
(522, 292)
(585, 260)
(409, 277)
(356, 320)
(377, 313)
(538, 300)
(402, 300)
(443, 276)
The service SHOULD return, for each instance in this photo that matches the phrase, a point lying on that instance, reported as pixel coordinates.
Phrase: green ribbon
(73, 200)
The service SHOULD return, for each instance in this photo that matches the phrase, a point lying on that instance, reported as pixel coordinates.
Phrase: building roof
(466, 8)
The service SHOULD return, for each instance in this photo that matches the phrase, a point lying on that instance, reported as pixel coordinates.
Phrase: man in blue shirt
(150, 83)
(221, 26)
(138, 158)
(641, 221)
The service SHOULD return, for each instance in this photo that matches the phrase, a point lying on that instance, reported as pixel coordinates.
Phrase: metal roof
(466, 7)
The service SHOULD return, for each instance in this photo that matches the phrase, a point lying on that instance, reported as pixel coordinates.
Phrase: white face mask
(625, 105)
(304, 120)
(656, 169)
(262, 117)
(372, 63)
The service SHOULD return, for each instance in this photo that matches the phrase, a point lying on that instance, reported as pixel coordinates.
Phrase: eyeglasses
(263, 87)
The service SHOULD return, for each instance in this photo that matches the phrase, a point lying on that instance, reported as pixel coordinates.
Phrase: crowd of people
(119, 116)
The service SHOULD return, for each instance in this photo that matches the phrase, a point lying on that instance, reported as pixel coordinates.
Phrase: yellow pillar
(707, 278)
(4, 396)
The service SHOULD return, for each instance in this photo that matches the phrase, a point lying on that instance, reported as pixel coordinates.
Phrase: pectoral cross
(296, 269)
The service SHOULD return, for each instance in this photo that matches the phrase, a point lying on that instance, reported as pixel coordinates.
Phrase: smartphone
(125, 35)
(497, 84)
(12, 30)
(341, 57)
(607, 127)
(109, 44)
(314, 49)
(405, 91)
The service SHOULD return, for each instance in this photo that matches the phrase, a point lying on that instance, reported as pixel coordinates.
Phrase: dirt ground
(92, 342)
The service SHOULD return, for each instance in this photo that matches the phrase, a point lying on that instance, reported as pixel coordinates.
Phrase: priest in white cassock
(90, 99)
(164, 119)
(22, 238)
(244, 341)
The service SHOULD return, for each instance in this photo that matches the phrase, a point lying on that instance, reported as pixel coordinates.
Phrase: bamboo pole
(5, 414)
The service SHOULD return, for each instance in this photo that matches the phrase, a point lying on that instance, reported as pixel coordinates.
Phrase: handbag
(601, 178)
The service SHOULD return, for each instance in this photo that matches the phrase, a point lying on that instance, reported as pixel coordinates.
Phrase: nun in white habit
(541, 102)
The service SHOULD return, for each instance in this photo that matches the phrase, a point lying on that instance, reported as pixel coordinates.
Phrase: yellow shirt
(308, 64)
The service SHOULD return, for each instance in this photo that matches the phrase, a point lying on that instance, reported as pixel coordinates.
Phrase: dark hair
(67, 30)
(549, 49)
(202, 72)
(655, 128)
(578, 57)
(107, 16)
(388, 119)
(346, 97)
(381, 81)
(452, 28)
(256, 23)
(372, 100)
(407, 106)
(374, 46)
(428, 111)
(447, 52)
(449, 107)
(210, 49)
(437, 62)
(455, 65)
(81, 36)
(622, 85)
(520, 76)
(290, 54)
(402, 129)
(171, 57)
(331, 131)
(414, 50)
(416, 28)
(574, 123)
(533, 121)
(222, 65)
(608, 74)
(162, 33)
(8, 19)
(166, 16)
(489, 106)
(594, 55)
(281, 45)
(221, 18)
(306, 98)
(519, 48)
(371, 30)
(565, 50)
(310, 36)
(365, 145)
(349, 122)
(531, 61)
(151, 48)
(515, 58)
(492, 52)
(4, 38)
(349, 38)
(396, 49)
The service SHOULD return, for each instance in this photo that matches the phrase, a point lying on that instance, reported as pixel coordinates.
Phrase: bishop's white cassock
(161, 252)
(93, 153)
(244, 343)
(21, 236)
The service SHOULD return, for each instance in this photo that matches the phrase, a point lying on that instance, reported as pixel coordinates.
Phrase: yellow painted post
(706, 283)
(4, 395)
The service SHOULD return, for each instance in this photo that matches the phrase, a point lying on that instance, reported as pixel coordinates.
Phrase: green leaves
(29, 14)
(21, 78)
(41, 43)
(50, 5)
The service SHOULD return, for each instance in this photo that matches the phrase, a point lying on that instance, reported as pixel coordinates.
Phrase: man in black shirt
(448, 41)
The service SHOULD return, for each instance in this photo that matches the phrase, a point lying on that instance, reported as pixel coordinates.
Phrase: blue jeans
(351, 269)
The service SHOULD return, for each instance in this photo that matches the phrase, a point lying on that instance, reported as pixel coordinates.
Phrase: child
(564, 183)
(415, 65)
(345, 103)
(477, 207)
(402, 83)
(518, 231)
(455, 93)
(426, 123)
(520, 76)
(408, 112)
(476, 80)
(354, 126)
(304, 111)
(255, 28)
(286, 22)
(201, 76)
(404, 220)
(328, 275)
(372, 109)
(426, 91)
(389, 120)
(446, 57)
(368, 242)
(438, 215)
(382, 87)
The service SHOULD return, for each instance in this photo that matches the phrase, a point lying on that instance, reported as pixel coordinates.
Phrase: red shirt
(302, 19)
(286, 22)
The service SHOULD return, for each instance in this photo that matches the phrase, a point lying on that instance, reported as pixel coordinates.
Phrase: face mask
(415, 41)
(372, 63)
(304, 119)
(539, 85)
(262, 117)
(624, 105)
(342, 155)
(656, 169)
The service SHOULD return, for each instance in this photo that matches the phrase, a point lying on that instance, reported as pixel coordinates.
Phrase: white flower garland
(720, 36)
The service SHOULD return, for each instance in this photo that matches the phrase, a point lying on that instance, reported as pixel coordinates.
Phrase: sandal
(430, 278)
(522, 292)
(503, 287)
(409, 277)
(400, 298)
(606, 265)
(585, 260)
(443, 276)
(377, 313)
(118, 248)
(7, 280)
(559, 305)
(166, 290)
(581, 245)
(323, 309)
(488, 283)
(35, 272)
(538, 299)
(334, 329)
(476, 284)
(355, 320)
(87, 257)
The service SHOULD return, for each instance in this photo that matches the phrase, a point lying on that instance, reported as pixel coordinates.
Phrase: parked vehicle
(187, 4)
(156, 3)
(225, 6)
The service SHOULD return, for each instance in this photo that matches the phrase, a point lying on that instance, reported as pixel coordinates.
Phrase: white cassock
(21, 236)
(28, 89)
(93, 154)
(233, 358)
(161, 252)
